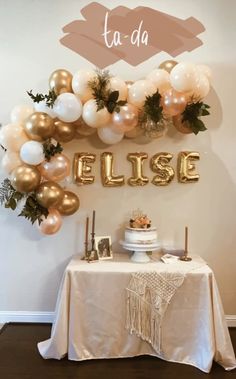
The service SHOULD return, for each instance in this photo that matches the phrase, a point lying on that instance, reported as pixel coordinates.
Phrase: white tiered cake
(140, 237)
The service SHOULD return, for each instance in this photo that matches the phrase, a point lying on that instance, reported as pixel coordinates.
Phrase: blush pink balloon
(57, 169)
(52, 223)
(173, 102)
(126, 119)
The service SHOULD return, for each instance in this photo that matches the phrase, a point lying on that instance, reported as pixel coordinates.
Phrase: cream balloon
(10, 161)
(12, 137)
(42, 107)
(108, 136)
(139, 91)
(160, 78)
(80, 85)
(117, 84)
(68, 107)
(32, 153)
(202, 87)
(57, 169)
(93, 117)
(20, 113)
(204, 69)
(183, 77)
(52, 223)
(126, 119)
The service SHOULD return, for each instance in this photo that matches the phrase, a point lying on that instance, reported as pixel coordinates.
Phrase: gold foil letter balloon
(60, 81)
(186, 168)
(39, 126)
(81, 169)
(49, 194)
(165, 173)
(137, 160)
(69, 204)
(25, 178)
(108, 178)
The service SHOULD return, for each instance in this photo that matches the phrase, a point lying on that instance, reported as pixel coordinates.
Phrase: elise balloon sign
(97, 103)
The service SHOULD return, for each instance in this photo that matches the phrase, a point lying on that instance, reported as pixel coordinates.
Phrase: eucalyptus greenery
(192, 113)
(152, 110)
(50, 97)
(103, 96)
(33, 211)
(50, 149)
(9, 197)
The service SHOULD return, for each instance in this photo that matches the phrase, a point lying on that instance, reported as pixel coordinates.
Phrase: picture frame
(103, 247)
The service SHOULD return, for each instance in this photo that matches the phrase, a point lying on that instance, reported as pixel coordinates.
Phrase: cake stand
(140, 250)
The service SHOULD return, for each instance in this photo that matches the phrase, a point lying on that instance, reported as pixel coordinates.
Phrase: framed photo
(103, 247)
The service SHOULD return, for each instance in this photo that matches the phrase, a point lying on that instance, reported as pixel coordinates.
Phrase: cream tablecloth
(91, 313)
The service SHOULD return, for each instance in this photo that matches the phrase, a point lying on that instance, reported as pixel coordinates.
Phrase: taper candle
(186, 241)
(93, 223)
(86, 232)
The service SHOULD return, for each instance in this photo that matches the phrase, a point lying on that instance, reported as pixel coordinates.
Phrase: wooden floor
(19, 359)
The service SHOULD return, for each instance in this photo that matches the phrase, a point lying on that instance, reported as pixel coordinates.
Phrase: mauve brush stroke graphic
(165, 33)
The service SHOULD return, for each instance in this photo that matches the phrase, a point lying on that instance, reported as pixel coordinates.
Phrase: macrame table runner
(148, 296)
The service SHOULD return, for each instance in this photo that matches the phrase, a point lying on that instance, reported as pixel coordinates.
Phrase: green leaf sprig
(192, 114)
(50, 97)
(152, 109)
(103, 96)
(33, 211)
(9, 197)
(50, 149)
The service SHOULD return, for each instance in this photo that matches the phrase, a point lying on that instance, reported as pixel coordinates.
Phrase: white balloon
(42, 107)
(10, 161)
(183, 77)
(32, 153)
(204, 69)
(108, 136)
(68, 107)
(80, 84)
(20, 113)
(94, 118)
(139, 91)
(202, 87)
(160, 78)
(117, 84)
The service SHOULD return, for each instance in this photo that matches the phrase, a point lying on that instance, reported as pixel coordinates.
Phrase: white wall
(31, 265)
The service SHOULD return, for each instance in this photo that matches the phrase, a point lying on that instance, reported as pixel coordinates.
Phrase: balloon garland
(88, 102)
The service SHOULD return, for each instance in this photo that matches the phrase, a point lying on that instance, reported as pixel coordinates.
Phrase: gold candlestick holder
(185, 256)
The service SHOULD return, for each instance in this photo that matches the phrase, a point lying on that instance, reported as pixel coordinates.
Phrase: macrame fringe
(146, 304)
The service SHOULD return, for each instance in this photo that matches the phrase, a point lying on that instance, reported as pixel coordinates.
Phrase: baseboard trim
(42, 317)
(231, 321)
(48, 317)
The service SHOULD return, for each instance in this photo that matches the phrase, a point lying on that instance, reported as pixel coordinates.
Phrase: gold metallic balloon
(39, 126)
(81, 169)
(64, 131)
(182, 127)
(69, 204)
(108, 177)
(186, 168)
(60, 81)
(52, 223)
(137, 160)
(159, 164)
(82, 129)
(49, 194)
(168, 65)
(25, 178)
